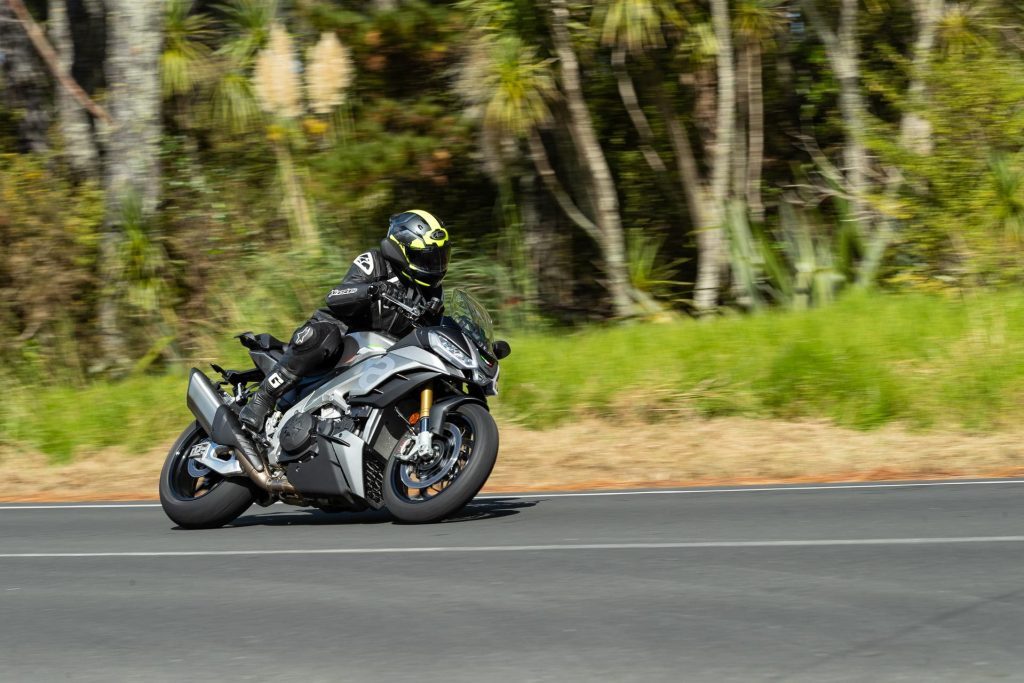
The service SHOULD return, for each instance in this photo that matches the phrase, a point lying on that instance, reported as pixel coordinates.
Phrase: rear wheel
(428, 491)
(195, 497)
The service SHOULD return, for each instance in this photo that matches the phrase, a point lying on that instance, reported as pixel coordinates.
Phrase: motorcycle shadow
(476, 511)
(489, 508)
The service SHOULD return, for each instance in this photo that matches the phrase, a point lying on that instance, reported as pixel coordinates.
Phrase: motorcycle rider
(409, 266)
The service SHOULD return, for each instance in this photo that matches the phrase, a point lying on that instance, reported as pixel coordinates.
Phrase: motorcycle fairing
(349, 451)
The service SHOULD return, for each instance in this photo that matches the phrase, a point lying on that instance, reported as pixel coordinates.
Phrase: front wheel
(195, 497)
(421, 492)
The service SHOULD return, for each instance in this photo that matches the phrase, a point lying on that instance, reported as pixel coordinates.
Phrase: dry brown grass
(593, 454)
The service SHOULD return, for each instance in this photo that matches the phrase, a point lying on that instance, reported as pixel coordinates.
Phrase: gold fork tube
(426, 400)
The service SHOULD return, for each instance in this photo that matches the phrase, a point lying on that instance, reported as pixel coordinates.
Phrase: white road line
(682, 545)
(587, 494)
(757, 489)
(79, 506)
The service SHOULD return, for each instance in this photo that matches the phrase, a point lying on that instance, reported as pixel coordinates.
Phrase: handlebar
(414, 313)
(409, 311)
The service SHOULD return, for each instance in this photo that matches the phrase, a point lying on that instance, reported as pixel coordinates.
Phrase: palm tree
(632, 27)
(186, 58)
(962, 27)
(235, 105)
(510, 88)
(612, 240)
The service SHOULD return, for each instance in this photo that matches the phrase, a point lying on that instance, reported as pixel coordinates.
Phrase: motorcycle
(400, 424)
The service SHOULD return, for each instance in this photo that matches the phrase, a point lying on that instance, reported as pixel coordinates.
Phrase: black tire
(465, 485)
(222, 502)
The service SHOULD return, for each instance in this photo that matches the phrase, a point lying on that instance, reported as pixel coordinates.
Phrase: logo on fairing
(365, 263)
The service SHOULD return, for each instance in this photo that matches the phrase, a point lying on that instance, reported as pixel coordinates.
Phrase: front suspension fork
(424, 439)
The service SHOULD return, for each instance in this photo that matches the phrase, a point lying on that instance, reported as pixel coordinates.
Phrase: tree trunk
(608, 219)
(628, 95)
(26, 86)
(73, 121)
(740, 148)
(915, 130)
(686, 165)
(851, 104)
(627, 92)
(133, 78)
(541, 162)
(710, 237)
(843, 55)
(755, 130)
(132, 170)
(855, 159)
(549, 262)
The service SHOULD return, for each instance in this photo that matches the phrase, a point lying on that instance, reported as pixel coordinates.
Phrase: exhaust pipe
(217, 418)
(263, 480)
(221, 423)
(204, 401)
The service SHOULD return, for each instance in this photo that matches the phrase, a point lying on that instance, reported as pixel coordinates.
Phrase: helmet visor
(430, 260)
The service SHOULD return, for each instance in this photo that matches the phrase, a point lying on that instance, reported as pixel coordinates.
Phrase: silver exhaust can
(203, 399)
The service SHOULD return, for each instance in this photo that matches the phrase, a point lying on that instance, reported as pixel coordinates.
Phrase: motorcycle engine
(299, 435)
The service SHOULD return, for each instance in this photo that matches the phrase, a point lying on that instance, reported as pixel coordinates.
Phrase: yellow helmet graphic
(418, 247)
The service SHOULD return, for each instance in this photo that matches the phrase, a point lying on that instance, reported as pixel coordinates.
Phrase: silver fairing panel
(360, 379)
(361, 345)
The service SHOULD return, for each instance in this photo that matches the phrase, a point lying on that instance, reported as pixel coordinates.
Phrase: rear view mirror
(501, 349)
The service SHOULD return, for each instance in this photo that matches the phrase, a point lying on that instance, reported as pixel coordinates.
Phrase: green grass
(863, 362)
(137, 414)
(928, 362)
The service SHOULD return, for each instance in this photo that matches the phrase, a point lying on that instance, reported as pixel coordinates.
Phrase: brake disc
(418, 475)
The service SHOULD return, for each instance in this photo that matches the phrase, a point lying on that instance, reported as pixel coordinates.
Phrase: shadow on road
(311, 517)
(492, 508)
(477, 511)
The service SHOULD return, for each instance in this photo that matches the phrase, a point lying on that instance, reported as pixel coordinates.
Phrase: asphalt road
(916, 582)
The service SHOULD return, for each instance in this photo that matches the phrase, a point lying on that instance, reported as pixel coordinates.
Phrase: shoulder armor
(366, 263)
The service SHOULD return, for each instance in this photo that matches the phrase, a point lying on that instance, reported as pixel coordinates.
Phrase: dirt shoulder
(593, 454)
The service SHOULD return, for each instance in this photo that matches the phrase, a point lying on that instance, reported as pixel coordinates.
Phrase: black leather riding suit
(317, 344)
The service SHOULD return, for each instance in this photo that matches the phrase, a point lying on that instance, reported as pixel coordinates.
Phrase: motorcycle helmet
(418, 248)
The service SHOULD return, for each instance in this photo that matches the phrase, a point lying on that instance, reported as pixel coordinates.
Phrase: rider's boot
(262, 403)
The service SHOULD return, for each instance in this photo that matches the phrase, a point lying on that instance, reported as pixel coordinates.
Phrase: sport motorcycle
(398, 423)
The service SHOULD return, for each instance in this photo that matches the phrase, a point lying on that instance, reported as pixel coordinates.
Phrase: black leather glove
(415, 299)
(386, 288)
(435, 307)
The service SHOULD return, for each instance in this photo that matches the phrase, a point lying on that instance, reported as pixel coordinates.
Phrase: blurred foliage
(432, 104)
(50, 232)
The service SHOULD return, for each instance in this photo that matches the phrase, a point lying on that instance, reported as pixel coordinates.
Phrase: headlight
(450, 351)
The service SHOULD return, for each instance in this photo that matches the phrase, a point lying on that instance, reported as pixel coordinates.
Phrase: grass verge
(925, 362)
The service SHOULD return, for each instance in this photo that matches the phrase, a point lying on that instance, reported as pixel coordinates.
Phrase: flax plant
(329, 74)
(280, 88)
(186, 59)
